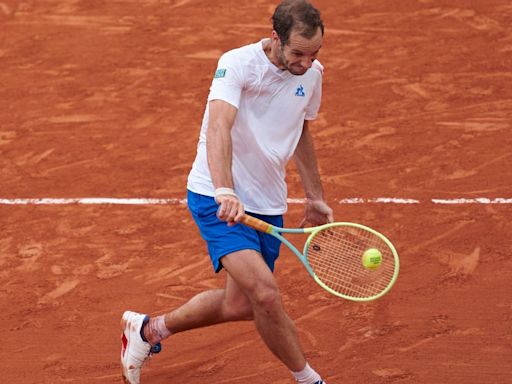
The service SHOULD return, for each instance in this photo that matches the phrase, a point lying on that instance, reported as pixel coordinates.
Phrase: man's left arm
(317, 211)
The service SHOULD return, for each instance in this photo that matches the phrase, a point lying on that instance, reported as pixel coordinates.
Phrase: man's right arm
(220, 153)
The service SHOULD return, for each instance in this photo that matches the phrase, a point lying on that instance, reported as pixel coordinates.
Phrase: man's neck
(269, 50)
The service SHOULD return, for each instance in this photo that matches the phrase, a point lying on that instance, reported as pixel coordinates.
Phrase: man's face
(298, 54)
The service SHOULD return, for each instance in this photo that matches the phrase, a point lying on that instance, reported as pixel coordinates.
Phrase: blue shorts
(223, 239)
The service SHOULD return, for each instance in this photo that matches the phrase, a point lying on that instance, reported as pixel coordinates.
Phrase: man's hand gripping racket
(333, 256)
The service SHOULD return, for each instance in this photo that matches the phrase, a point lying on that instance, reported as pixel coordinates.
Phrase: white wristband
(224, 191)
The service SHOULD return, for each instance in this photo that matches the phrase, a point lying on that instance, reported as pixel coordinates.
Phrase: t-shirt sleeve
(227, 81)
(316, 99)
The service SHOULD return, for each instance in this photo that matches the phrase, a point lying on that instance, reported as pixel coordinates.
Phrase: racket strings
(335, 256)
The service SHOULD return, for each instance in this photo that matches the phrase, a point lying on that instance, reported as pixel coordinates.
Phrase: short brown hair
(300, 14)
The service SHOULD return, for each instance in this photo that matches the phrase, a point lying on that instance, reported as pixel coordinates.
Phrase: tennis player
(261, 100)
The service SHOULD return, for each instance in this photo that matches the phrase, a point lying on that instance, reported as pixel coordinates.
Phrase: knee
(261, 298)
(267, 298)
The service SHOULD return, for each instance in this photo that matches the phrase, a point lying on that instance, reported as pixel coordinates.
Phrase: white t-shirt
(272, 106)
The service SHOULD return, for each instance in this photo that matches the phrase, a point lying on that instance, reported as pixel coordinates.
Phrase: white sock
(156, 330)
(307, 376)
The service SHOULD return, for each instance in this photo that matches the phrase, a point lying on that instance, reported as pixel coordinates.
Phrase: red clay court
(104, 99)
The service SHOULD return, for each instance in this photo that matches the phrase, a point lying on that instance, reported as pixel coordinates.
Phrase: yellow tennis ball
(372, 258)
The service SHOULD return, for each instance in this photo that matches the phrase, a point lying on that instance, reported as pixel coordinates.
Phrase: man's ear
(275, 38)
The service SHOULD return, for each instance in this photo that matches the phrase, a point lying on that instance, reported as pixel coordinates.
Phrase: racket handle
(256, 224)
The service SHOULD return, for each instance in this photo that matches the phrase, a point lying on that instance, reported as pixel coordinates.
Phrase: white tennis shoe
(134, 350)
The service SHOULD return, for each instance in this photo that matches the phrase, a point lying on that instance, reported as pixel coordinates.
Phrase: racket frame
(277, 232)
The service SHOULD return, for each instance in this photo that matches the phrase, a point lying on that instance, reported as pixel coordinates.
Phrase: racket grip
(256, 224)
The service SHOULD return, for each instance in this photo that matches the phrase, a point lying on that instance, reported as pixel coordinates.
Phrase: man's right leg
(254, 296)
(251, 293)
(257, 282)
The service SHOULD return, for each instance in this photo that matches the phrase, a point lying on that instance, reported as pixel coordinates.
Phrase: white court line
(478, 200)
(92, 201)
(176, 201)
(378, 200)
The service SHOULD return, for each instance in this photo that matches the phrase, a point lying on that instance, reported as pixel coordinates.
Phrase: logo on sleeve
(221, 72)
(300, 91)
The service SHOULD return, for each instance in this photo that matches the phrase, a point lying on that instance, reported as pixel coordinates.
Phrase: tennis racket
(333, 257)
